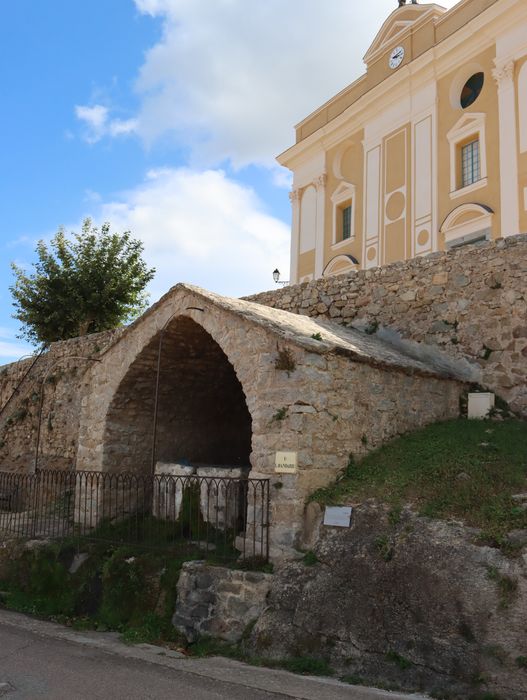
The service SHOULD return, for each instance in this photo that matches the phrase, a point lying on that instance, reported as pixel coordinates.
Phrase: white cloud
(230, 78)
(98, 124)
(10, 348)
(203, 228)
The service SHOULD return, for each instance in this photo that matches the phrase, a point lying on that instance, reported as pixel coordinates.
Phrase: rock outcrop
(416, 604)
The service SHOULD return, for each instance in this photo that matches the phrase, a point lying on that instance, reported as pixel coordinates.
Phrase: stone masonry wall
(324, 407)
(471, 302)
(58, 375)
(217, 602)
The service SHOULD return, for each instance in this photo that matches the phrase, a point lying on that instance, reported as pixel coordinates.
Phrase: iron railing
(213, 517)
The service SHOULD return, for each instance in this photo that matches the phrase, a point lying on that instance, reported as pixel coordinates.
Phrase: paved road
(43, 660)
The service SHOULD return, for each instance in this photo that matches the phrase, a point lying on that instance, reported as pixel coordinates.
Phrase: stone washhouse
(239, 383)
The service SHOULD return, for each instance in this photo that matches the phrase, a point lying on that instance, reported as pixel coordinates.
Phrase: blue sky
(164, 117)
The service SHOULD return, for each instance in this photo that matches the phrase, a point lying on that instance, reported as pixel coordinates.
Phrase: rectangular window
(346, 222)
(470, 163)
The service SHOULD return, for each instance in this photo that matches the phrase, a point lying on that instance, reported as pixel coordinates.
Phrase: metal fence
(213, 517)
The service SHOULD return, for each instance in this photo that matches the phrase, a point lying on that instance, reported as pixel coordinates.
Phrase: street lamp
(276, 277)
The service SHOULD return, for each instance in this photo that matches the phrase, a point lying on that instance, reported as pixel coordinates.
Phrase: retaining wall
(470, 302)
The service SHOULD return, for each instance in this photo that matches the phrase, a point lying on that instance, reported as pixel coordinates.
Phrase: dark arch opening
(203, 417)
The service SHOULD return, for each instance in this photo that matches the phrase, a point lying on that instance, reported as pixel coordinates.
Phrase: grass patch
(467, 470)
(310, 558)
(507, 587)
(303, 665)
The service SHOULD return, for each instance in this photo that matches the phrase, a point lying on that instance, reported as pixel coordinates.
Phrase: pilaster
(510, 208)
(294, 197)
(320, 185)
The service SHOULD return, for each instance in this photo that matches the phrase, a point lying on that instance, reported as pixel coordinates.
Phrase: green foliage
(423, 469)
(126, 589)
(521, 662)
(385, 548)
(353, 680)
(317, 336)
(151, 629)
(19, 415)
(507, 586)
(207, 646)
(304, 665)
(398, 660)
(38, 583)
(253, 564)
(310, 558)
(394, 516)
(124, 584)
(85, 283)
(190, 521)
(281, 414)
(285, 361)
(372, 328)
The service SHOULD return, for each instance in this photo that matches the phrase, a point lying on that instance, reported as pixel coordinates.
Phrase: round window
(472, 89)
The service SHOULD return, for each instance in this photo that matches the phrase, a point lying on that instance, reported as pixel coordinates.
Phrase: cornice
(420, 70)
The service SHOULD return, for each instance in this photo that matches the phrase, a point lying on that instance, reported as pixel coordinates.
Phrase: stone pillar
(510, 207)
(294, 197)
(320, 184)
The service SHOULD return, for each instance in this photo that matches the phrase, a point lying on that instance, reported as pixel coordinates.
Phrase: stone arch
(203, 417)
(341, 264)
(105, 441)
(467, 223)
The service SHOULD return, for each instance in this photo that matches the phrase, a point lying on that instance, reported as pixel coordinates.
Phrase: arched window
(468, 223)
(341, 264)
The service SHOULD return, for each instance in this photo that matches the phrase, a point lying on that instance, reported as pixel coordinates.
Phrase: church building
(426, 151)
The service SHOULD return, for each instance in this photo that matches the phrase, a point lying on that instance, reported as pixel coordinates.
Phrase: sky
(164, 117)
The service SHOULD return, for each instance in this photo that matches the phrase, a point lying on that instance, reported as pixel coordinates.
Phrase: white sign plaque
(338, 516)
(286, 462)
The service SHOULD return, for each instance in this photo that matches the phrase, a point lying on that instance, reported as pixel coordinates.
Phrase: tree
(91, 281)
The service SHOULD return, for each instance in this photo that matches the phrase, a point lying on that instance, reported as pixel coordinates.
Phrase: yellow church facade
(424, 152)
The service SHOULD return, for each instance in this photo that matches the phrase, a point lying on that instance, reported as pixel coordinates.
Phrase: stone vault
(239, 382)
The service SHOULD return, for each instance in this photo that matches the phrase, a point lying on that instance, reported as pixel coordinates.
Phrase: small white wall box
(338, 516)
(286, 463)
(479, 405)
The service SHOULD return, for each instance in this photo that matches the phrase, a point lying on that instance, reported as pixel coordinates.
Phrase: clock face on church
(396, 57)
